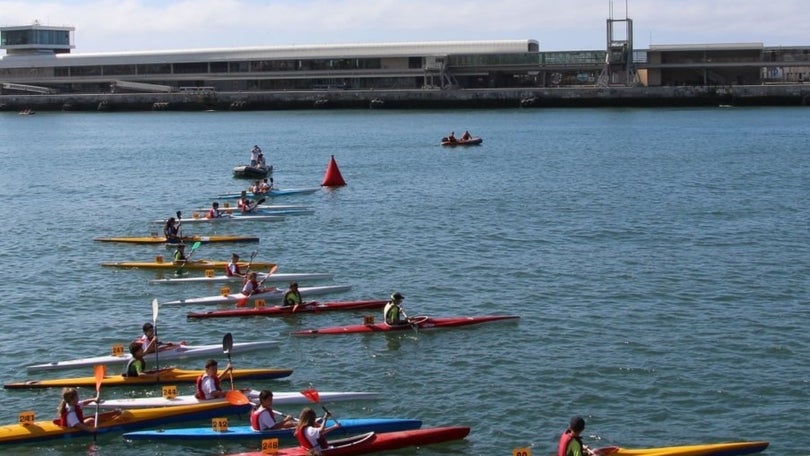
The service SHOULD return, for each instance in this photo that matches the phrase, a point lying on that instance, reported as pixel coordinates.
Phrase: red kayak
(373, 442)
(281, 311)
(417, 323)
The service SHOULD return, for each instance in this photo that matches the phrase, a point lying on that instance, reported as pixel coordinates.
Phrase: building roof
(404, 49)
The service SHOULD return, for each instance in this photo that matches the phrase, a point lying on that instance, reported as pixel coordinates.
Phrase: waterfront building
(39, 60)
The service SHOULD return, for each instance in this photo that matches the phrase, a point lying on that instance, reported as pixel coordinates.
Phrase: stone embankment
(763, 95)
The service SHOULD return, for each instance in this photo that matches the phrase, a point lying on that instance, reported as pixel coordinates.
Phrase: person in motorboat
(452, 137)
(263, 417)
(232, 269)
(208, 383)
(310, 435)
(70, 411)
(137, 365)
(214, 212)
(260, 161)
(466, 136)
(293, 297)
(252, 286)
(254, 155)
(393, 314)
(570, 441)
(149, 342)
(171, 231)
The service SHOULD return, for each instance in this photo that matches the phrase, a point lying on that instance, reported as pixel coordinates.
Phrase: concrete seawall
(761, 95)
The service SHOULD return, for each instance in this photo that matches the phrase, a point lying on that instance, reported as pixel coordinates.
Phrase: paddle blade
(195, 246)
(236, 397)
(272, 270)
(312, 394)
(606, 451)
(261, 201)
(155, 307)
(99, 372)
(227, 343)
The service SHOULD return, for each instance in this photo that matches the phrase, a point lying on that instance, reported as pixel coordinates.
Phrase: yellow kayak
(160, 263)
(186, 239)
(710, 449)
(168, 375)
(119, 421)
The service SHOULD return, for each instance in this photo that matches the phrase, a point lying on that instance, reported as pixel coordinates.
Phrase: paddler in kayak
(393, 314)
(208, 383)
(180, 254)
(263, 417)
(171, 231)
(149, 342)
(214, 212)
(570, 441)
(232, 269)
(311, 436)
(252, 286)
(136, 366)
(244, 204)
(70, 411)
(292, 297)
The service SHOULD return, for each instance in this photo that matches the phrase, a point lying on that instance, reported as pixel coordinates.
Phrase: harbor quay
(738, 95)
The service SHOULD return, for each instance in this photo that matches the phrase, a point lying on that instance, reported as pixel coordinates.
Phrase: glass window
(85, 71)
(190, 67)
(114, 70)
(239, 67)
(154, 68)
(219, 67)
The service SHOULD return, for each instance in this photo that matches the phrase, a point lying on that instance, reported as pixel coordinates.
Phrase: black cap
(397, 295)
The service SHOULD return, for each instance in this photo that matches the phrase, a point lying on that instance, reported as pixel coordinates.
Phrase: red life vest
(255, 415)
(230, 273)
(200, 394)
(304, 441)
(254, 287)
(565, 440)
(63, 416)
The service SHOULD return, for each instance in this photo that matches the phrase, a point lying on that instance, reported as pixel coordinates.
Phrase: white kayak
(265, 207)
(278, 277)
(228, 218)
(273, 295)
(259, 211)
(179, 351)
(279, 398)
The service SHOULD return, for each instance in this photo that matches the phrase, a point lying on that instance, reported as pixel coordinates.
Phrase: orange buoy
(332, 177)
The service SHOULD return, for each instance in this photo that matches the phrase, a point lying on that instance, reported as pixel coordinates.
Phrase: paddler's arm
(226, 371)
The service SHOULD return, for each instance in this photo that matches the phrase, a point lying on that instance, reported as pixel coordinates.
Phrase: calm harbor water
(658, 260)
